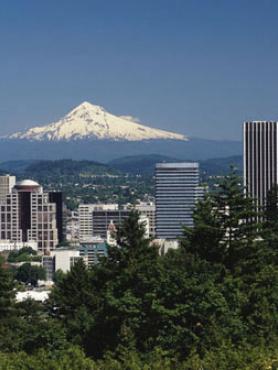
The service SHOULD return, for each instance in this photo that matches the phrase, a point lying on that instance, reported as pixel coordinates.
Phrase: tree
(72, 358)
(7, 293)
(21, 255)
(205, 238)
(73, 301)
(29, 274)
(270, 220)
(127, 281)
(8, 311)
(226, 227)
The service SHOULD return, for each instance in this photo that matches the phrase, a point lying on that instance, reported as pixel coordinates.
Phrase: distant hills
(63, 168)
(140, 164)
(106, 151)
(145, 164)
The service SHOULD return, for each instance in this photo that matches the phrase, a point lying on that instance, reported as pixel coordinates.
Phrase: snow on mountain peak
(88, 121)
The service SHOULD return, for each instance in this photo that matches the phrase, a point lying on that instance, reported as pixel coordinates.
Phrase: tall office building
(30, 214)
(85, 218)
(260, 158)
(176, 192)
(7, 182)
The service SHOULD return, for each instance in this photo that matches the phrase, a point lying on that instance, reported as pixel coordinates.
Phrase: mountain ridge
(105, 150)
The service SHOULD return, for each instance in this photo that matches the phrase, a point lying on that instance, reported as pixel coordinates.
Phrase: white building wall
(64, 258)
(7, 182)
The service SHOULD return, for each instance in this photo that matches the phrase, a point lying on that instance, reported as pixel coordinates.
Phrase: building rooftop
(27, 182)
(178, 165)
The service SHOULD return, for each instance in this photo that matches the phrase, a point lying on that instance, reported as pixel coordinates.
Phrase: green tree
(270, 221)
(73, 301)
(22, 255)
(127, 281)
(70, 359)
(226, 228)
(7, 293)
(8, 312)
(29, 274)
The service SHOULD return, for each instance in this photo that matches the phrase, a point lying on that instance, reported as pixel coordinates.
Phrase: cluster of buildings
(30, 216)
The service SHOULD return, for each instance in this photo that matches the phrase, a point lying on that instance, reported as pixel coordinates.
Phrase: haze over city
(197, 68)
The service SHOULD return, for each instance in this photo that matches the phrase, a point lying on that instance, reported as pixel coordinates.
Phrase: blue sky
(196, 67)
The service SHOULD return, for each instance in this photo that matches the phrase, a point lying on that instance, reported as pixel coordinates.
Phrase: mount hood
(88, 121)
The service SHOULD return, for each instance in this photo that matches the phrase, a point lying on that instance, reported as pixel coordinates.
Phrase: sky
(198, 67)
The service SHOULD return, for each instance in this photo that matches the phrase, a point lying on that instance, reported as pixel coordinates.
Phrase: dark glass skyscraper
(260, 158)
(176, 191)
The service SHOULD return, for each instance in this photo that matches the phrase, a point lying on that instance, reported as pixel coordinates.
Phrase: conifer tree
(270, 221)
(7, 293)
(226, 228)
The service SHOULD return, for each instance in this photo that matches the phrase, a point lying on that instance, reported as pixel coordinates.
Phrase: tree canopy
(210, 304)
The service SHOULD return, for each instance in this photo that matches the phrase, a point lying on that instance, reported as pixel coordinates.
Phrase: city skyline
(200, 70)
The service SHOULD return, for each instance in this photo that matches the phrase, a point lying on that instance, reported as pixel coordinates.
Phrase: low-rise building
(60, 259)
(93, 252)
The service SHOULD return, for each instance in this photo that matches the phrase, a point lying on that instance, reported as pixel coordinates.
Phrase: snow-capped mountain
(88, 121)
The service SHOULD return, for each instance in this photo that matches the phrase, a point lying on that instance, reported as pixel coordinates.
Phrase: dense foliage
(30, 274)
(23, 255)
(211, 304)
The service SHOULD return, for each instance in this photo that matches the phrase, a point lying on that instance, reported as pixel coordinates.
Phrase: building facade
(85, 214)
(148, 210)
(94, 219)
(93, 252)
(60, 259)
(260, 158)
(103, 218)
(27, 214)
(176, 192)
(7, 182)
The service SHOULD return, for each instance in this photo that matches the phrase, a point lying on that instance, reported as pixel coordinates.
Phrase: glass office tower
(260, 158)
(176, 192)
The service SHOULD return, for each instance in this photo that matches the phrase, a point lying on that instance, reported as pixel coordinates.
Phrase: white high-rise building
(176, 192)
(260, 160)
(7, 182)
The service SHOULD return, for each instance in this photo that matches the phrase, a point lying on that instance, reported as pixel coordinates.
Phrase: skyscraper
(260, 158)
(28, 214)
(176, 192)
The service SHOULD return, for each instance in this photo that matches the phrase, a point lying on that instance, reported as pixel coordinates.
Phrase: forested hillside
(145, 164)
